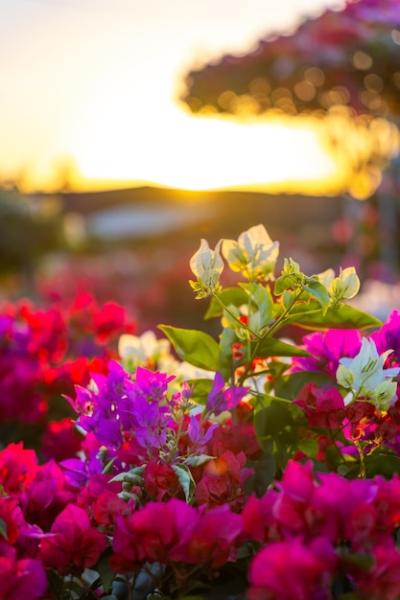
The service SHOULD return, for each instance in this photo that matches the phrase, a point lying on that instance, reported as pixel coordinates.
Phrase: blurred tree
(343, 66)
(28, 231)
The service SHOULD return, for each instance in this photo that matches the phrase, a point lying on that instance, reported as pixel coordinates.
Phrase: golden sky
(96, 81)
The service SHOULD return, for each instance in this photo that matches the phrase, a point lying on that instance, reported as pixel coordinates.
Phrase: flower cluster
(330, 533)
(243, 461)
(44, 352)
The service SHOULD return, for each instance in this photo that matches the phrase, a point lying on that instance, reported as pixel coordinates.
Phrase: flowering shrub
(43, 354)
(199, 468)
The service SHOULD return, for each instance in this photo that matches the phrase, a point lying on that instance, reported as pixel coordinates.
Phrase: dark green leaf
(3, 529)
(200, 389)
(382, 463)
(289, 386)
(196, 347)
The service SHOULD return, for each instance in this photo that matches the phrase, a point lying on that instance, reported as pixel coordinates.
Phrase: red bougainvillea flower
(61, 440)
(17, 468)
(223, 480)
(23, 579)
(75, 544)
(324, 407)
(160, 481)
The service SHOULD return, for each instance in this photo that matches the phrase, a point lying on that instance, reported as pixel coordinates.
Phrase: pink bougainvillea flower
(154, 533)
(291, 569)
(326, 349)
(20, 579)
(213, 539)
(75, 544)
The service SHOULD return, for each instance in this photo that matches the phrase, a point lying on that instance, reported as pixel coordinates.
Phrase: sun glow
(179, 150)
(101, 111)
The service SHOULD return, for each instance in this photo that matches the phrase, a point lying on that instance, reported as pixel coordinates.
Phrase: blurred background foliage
(341, 69)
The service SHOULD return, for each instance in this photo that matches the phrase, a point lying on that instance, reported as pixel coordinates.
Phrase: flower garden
(261, 464)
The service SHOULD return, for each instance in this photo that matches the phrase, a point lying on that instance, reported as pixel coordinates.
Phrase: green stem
(281, 319)
(234, 317)
(275, 325)
(363, 472)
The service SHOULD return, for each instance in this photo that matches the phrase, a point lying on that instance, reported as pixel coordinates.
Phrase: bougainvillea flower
(18, 468)
(75, 544)
(326, 349)
(20, 579)
(292, 569)
(323, 406)
(220, 399)
(154, 533)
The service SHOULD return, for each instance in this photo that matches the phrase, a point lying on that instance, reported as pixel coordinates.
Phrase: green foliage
(26, 233)
(269, 346)
(196, 347)
(278, 423)
(234, 296)
(343, 316)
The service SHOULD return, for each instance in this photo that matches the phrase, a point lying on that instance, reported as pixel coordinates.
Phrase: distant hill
(218, 212)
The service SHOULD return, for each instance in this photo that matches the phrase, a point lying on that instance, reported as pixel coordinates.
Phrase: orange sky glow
(93, 84)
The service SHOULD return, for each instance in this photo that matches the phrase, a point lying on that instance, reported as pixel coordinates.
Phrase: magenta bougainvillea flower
(310, 567)
(221, 399)
(326, 349)
(73, 543)
(20, 578)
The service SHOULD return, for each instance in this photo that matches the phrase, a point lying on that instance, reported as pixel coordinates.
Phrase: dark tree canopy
(341, 58)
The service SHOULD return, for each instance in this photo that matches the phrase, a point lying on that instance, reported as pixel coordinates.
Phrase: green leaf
(344, 316)
(106, 573)
(197, 461)
(382, 463)
(186, 480)
(278, 428)
(289, 386)
(133, 475)
(200, 389)
(318, 291)
(3, 529)
(227, 338)
(264, 473)
(196, 347)
(228, 296)
(272, 347)
(309, 446)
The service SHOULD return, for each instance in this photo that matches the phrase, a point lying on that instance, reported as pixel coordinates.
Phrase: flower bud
(346, 286)
(207, 265)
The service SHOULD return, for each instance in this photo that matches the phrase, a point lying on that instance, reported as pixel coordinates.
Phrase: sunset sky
(95, 82)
